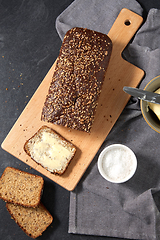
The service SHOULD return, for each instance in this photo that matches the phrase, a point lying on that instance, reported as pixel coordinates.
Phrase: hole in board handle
(127, 22)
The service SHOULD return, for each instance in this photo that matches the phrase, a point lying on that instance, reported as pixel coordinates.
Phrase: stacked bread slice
(22, 192)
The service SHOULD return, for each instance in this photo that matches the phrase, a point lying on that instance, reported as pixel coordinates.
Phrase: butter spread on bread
(50, 149)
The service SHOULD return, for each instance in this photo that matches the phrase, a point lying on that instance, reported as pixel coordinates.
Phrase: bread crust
(9, 192)
(77, 80)
(50, 130)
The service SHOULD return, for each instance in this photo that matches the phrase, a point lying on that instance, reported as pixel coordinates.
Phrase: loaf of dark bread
(49, 149)
(77, 80)
(21, 187)
(33, 221)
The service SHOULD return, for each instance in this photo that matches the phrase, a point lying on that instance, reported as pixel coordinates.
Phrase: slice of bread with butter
(50, 149)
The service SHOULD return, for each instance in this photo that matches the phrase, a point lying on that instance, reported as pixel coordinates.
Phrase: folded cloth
(131, 209)
(98, 15)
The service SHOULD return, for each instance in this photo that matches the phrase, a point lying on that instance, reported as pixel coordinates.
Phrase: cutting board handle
(124, 28)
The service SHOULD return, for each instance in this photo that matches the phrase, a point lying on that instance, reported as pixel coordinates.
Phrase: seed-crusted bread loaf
(33, 221)
(77, 80)
(20, 187)
(50, 149)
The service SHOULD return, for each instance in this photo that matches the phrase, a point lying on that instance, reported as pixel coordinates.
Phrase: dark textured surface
(29, 45)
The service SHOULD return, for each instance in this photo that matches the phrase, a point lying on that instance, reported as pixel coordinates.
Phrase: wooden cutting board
(111, 103)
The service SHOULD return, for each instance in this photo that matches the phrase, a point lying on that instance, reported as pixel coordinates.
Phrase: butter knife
(143, 95)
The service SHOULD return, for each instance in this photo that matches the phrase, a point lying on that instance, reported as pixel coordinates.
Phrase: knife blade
(143, 95)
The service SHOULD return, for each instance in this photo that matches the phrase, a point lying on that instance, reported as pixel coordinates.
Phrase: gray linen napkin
(128, 210)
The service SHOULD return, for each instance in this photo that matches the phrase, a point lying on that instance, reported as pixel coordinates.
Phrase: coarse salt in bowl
(117, 163)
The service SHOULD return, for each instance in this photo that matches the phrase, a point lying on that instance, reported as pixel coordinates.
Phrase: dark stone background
(29, 45)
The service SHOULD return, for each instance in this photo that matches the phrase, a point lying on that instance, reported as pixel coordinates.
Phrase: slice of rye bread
(49, 149)
(20, 187)
(33, 221)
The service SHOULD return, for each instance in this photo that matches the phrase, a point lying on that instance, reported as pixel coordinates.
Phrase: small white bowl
(117, 163)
